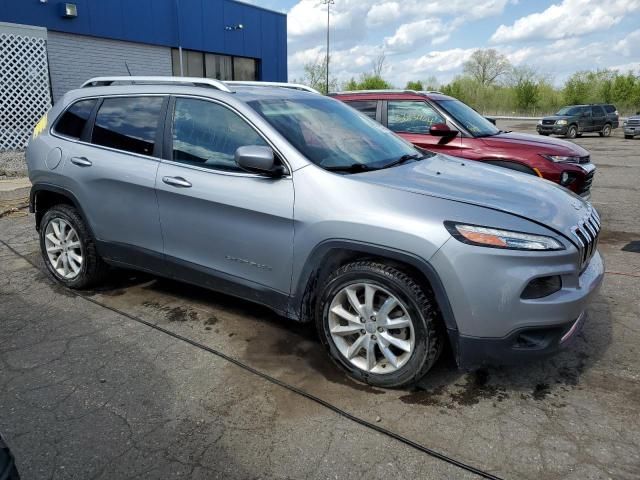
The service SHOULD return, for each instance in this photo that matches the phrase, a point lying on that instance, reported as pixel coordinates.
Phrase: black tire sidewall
(64, 213)
(416, 364)
(606, 131)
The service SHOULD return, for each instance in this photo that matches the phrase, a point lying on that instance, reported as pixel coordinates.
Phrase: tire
(83, 273)
(606, 130)
(629, 137)
(424, 330)
(578, 135)
(572, 132)
(543, 133)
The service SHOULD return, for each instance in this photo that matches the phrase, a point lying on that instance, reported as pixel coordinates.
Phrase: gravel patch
(13, 164)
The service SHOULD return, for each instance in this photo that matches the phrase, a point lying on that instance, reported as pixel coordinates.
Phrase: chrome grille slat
(586, 236)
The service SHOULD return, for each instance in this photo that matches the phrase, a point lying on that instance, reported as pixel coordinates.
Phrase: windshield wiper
(353, 168)
(405, 158)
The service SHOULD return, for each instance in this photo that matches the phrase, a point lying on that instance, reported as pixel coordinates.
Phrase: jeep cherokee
(298, 202)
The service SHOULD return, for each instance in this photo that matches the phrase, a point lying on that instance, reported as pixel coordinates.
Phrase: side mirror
(442, 130)
(258, 159)
(492, 120)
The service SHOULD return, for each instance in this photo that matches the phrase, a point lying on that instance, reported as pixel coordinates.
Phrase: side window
(411, 117)
(72, 122)
(207, 134)
(368, 107)
(128, 123)
(597, 111)
(610, 108)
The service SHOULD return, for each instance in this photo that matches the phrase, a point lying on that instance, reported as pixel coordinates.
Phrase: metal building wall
(74, 59)
(204, 25)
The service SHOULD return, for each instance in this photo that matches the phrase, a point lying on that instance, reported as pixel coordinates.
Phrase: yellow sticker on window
(40, 126)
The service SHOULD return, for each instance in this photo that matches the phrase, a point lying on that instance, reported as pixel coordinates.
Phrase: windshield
(569, 111)
(471, 120)
(333, 135)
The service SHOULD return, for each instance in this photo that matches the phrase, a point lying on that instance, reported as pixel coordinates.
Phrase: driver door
(412, 119)
(222, 226)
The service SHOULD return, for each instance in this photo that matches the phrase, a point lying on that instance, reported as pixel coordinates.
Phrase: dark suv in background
(574, 120)
(443, 124)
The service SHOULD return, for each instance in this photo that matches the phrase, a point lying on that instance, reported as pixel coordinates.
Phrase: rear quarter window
(610, 108)
(368, 107)
(72, 122)
(128, 123)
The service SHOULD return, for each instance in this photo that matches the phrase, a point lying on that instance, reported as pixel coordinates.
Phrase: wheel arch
(332, 254)
(43, 196)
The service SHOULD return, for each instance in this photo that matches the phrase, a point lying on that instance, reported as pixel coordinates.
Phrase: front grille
(634, 122)
(586, 236)
(548, 122)
(588, 180)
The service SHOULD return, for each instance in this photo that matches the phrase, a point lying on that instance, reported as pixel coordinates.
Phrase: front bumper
(552, 129)
(494, 324)
(633, 131)
(521, 346)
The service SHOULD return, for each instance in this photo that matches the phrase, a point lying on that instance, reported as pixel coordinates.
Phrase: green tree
(524, 81)
(414, 85)
(485, 66)
(577, 88)
(315, 76)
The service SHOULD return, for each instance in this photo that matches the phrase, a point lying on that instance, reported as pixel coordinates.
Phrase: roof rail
(388, 90)
(198, 82)
(295, 86)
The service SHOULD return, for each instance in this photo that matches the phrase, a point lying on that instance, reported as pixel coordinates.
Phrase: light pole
(328, 3)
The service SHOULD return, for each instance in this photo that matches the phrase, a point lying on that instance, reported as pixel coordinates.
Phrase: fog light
(542, 287)
(566, 178)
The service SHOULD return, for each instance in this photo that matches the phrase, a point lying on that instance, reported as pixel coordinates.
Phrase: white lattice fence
(24, 86)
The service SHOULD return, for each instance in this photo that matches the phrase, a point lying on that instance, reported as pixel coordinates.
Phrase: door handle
(176, 182)
(81, 161)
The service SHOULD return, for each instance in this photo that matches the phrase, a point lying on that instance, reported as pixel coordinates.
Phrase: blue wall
(202, 25)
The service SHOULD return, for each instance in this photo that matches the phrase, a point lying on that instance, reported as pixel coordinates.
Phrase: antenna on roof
(126, 65)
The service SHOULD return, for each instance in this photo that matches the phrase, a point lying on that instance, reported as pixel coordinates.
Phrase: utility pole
(328, 3)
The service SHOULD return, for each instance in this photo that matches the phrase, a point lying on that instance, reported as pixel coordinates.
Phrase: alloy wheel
(63, 247)
(371, 328)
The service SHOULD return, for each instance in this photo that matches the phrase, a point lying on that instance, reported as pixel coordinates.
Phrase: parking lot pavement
(87, 391)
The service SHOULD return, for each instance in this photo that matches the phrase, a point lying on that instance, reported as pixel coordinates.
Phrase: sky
(433, 38)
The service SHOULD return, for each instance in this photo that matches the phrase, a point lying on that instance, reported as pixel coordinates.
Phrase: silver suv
(298, 202)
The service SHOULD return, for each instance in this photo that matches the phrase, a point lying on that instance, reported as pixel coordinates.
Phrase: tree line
(492, 85)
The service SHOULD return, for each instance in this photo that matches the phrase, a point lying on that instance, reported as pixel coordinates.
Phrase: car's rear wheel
(544, 133)
(572, 132)
(378, 324)
(68, 249)
(606, 131)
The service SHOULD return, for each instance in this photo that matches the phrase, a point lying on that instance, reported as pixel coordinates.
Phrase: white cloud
(567, 19)
(630, 45)
(409, 34)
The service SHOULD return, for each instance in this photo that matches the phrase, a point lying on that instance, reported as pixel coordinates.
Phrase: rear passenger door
(598, 117)
(112, 169)
(585, 121)
(223, 227)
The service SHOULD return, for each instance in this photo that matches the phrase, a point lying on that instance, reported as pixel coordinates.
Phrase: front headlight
(540, 122)
(495, 238)
(624, 124)
(560, 158)
(561, 122)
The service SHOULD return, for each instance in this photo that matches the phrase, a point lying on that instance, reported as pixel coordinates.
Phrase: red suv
(439, 123)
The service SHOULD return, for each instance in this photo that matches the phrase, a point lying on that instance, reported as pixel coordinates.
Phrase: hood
(557, 117)
(540, 143)
(487, 186)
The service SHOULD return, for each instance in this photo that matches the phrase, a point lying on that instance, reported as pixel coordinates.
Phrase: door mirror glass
(258, 159)
(442, 130)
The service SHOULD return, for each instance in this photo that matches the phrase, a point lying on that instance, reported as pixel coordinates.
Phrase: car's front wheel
(68, 249)
(572, 131)
(629, 137)
(378, 324)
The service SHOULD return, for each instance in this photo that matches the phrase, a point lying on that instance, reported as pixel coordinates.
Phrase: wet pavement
(88, 391)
